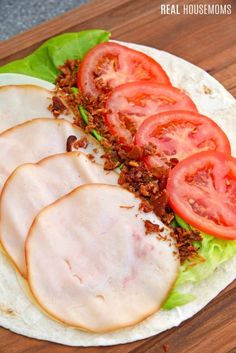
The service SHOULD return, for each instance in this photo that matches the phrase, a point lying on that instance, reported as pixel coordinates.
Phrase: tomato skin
(139, 100)
(202, 191)
(116, 64)
(179, 134)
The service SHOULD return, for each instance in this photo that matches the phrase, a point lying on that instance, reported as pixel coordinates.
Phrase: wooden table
(207, 41)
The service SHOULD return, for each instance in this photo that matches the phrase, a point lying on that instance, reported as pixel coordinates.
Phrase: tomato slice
(130, 104)
(109, 65)
(202, 190)
(179, 134)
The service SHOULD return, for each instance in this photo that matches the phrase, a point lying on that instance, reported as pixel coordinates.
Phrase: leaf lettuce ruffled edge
(43, 62)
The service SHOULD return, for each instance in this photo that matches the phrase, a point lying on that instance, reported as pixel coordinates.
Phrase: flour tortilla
(27, 320)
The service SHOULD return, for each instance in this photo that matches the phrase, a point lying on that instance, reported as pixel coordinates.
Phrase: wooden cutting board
(208, 41)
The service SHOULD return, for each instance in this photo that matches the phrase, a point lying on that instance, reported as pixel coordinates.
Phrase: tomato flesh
(130, 104)
(202, 190)
(109, 65)
(179, 134)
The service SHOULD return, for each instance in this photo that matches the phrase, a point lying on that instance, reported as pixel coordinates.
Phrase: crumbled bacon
(145, 206)
(91, 157)
(148, 185)
(73, 142)
(110, 161)
(68, 74)
(159, 202)
(185, 240)
(57, 107)
(81, 143)
(151, 227)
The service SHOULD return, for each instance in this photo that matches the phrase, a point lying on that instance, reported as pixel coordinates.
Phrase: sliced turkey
(37, 139)
(92, 266)
(20, 103)
(31, 187)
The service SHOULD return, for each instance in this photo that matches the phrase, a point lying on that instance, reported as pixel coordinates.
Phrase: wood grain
(206, 41)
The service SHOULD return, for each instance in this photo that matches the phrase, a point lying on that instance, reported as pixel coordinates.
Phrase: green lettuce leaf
(212, 252)
(177, 299)
(43, 62)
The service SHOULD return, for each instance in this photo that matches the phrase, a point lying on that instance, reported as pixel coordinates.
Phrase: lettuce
(177, 299)
(43, 62)
(212, 252)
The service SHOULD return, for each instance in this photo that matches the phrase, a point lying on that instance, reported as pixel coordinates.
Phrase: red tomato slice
(109, 65)
(202, 190)
(130, 104)
(179, 134)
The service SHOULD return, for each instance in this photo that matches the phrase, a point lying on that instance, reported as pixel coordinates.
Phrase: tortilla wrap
(20, 315)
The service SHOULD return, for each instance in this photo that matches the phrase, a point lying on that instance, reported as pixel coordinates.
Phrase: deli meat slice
(92, 266)
(21, 103)
(31, 187)
(36, 139)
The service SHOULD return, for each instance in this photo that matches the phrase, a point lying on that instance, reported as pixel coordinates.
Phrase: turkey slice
(37, 139)
(31, 187)
(20, 103)
(92, 266)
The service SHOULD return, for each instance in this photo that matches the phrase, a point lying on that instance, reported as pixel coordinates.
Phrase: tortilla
(43, 183)
(26, 319)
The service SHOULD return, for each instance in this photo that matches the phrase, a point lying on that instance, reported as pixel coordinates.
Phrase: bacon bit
(160, 203)
(168, 217)
(185, 239)
(69, 143)
(68, 74)
(166, 347)
(57, 107)
(106, 144)
(145, 206)
(81, 143)
(111, 161)
(135, 153)
(165, 238)
(91, 157)
(128, 207)
(151, 227)
(144, 190)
